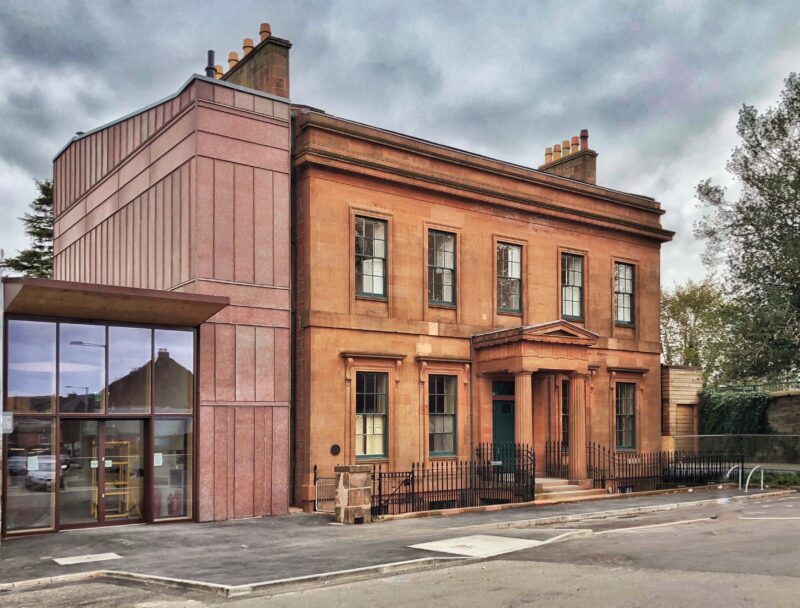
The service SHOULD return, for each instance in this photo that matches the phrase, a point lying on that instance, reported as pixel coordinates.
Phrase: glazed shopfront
(102, 412)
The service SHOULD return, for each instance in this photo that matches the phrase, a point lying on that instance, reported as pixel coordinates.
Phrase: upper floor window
(370, 257)
(372, 400)
(442, 414)
(572, 286)
(626, 415)
(623, 293)
(509, 277)
(441, 267)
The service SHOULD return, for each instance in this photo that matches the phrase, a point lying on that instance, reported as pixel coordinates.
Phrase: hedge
(733, 413)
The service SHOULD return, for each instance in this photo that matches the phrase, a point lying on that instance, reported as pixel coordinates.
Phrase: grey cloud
(656, 84)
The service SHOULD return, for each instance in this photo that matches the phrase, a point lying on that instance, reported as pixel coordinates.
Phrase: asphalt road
(737, 554)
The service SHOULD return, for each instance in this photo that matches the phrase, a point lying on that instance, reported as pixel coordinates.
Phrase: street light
(82, 343)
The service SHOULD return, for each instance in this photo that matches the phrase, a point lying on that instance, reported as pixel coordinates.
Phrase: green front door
(503, 433)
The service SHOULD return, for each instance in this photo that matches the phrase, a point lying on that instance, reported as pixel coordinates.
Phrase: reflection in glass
(123, 468)
(82, 367)
(129, 353)
(31, 475)
(173, 371)
(172, 468)
(79, 467)
(31, 366)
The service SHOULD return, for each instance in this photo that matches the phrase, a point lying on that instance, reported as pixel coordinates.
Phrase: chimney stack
(572, 158)
(263, 66)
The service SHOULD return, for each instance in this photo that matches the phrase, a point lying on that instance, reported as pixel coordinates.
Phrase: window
(565, 414)
(130, 350)
(626, 415)
(31, 367)
(441, 267)
(82, 365)
(370, 257)
(572, 286)
(173, 371)
(509, 277)
(442, 414)
(371, 405)
(623, 293)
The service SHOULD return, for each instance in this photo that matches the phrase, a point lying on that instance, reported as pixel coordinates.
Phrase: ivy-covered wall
(734, 413)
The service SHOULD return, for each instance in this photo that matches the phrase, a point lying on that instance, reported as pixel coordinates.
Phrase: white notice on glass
(33, 463)
(158, 459)
(94, 464)
(109, 463)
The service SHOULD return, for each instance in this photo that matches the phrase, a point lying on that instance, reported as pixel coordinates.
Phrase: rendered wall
(193, 195)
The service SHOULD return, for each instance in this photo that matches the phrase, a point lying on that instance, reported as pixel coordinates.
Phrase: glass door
(102, 472)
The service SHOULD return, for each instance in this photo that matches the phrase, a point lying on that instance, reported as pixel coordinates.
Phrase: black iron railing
(497, 474)
(640, 472)
(555, 459)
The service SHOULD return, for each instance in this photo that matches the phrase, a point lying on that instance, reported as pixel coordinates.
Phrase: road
(737, 554)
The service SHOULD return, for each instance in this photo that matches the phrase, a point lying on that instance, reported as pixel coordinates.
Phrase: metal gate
(324, 493)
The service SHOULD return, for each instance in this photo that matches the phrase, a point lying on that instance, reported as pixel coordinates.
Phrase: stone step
(545, 497)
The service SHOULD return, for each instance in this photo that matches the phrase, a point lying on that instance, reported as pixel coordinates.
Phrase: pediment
(558, 331)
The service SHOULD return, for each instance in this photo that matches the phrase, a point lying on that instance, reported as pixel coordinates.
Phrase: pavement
(709, 553)
(264, 550)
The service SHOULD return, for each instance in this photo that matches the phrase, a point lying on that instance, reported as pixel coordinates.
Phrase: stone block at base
(353, 504)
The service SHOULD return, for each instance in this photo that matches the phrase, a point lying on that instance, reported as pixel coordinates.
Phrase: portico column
(577, 426)
(523, 408)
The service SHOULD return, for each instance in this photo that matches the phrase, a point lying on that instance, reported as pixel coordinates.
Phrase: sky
(658, 84)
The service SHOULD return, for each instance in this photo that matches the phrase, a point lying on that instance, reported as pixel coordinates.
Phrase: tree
(37, 260)
(755, 239)
(694, 328)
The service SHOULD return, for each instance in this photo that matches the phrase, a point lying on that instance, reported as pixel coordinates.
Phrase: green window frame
(509, 277)
(441, 268)
(626, 415)
(442, 407)
(370, 262)
(565, 414)
(372, 405)
(572, 284)
(624, 275)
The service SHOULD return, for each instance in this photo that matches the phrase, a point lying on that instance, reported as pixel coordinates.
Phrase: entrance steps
(553, 490)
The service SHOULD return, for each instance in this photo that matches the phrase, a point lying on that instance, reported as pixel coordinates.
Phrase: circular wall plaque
(335, 449)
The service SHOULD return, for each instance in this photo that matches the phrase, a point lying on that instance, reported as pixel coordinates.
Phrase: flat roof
(52, 298)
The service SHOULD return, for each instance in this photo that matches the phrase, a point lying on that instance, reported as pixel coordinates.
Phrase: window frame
(618, 417)
(356, 257)
(432, 233)
(356, 435)
(632, 294)
(500, 309)
(564, 255)
(449, 378)
(565, 398)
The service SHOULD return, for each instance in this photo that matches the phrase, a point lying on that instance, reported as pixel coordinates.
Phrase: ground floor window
(372, 400)
(565, 414)
(442, 414)
(626, 415)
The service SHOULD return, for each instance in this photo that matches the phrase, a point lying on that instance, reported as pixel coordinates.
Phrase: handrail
(731, 470)
(747, 485)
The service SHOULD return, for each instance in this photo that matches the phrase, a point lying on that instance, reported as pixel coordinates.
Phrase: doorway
(102, 472)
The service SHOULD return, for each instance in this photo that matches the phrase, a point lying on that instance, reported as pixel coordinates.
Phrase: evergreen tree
(37, 260)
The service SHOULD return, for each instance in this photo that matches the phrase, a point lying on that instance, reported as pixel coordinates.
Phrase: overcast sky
(658, 85)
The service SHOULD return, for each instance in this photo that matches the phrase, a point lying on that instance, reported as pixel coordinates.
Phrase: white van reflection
(44, 476)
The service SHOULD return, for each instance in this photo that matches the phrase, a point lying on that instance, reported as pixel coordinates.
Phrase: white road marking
(767, 518)
(669, 523)
(85, 559)
(479, 545)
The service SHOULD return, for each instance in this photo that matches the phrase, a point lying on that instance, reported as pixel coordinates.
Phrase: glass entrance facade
(103, 424)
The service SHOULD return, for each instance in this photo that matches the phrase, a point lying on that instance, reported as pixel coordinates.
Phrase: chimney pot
(584, 139)
(247, 46)
(565, 148)
(575, 144)
(548, 155)
(233, 59)
(218, 70)
(557, 152)
(210, 70)
(265, 31)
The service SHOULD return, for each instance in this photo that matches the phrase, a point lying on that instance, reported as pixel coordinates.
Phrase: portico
(536, 360)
